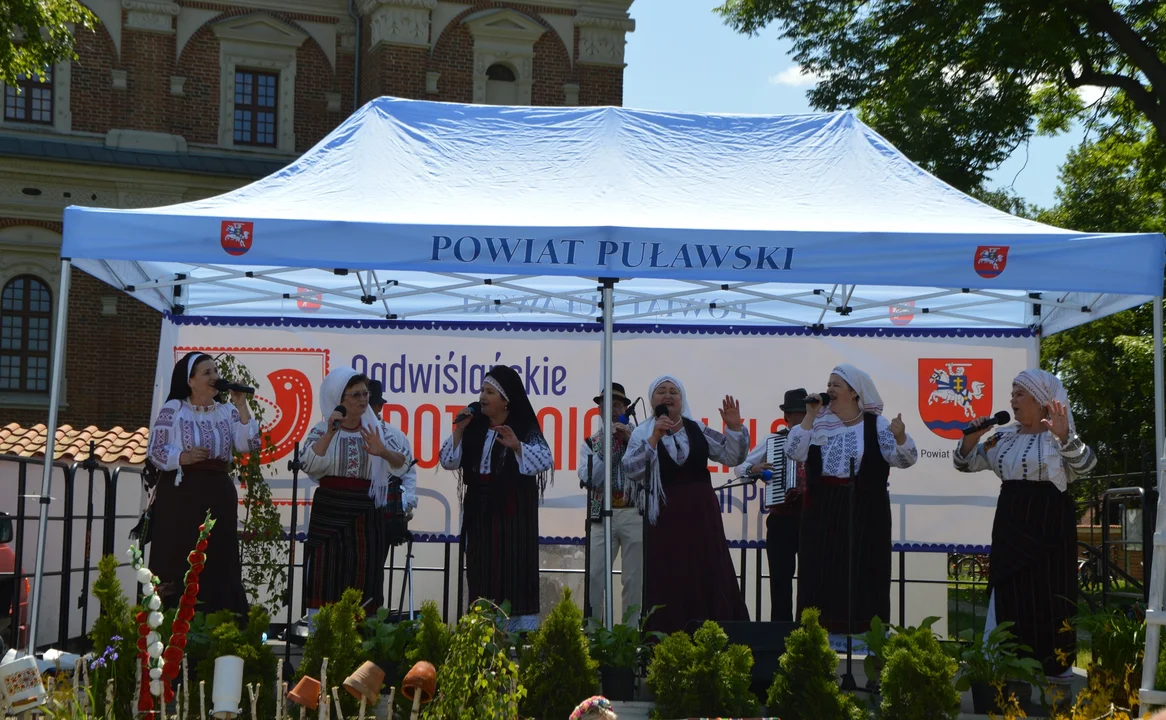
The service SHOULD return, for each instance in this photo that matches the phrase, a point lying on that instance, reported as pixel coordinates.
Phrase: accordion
(785, 473)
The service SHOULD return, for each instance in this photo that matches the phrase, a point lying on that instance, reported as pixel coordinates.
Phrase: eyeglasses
(358, 395)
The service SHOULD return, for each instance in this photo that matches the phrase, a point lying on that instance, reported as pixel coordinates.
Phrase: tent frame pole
(1154, 613)
(50, 450)
(606, 424)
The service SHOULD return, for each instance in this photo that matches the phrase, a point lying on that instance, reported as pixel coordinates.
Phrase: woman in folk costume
(193, 442)
(850, 427)
(1032, 580)
(503, 464)
(367, 485)
(687, 567)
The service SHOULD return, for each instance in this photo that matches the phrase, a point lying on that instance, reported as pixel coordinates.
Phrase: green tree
(958, 86)
(37, 33)
(1112, 184)
(557, 669)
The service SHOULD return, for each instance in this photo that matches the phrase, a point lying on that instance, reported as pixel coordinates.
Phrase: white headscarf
(827, 424)
(1046, 387)
(644, 430)
(331, 395)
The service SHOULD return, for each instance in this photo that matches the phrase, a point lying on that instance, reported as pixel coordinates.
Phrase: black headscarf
(521, 418)
(183, 371)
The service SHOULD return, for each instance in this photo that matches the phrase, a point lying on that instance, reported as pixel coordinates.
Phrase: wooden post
(336, 697)
(202, 699)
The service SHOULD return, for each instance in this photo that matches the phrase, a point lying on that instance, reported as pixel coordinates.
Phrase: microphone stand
(848, 682)
(294, 465)
(587, 609)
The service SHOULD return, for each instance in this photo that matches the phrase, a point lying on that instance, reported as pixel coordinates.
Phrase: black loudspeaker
(765, 639)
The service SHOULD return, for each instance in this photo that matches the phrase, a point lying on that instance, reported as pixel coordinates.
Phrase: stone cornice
(605, 23)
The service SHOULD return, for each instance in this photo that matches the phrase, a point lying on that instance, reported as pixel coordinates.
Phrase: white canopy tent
(421, 210)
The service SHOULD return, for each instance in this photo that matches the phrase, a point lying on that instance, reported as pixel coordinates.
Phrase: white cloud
(794, 76)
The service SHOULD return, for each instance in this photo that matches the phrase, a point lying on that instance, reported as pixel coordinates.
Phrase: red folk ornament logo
(953, 392)
(902, 313)
(990, 260)
(236, 236)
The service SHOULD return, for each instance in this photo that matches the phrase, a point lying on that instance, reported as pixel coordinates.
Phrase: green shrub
(918, 680)
(335, 636)
(705, 678)
(557, 670)
(805, 686)
(477, 681)
(259, 663)
(116, 619)
(431, 643)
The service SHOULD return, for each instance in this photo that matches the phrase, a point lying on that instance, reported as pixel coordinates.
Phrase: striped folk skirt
(500, 542)
(348, 541)
(176, 514)
(1033, 568)
(822, 554)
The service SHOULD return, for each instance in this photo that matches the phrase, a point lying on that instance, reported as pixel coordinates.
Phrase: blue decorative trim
(619, 329)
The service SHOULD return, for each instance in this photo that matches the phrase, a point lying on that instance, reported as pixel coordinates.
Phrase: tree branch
(1144, 100)
(1103, 15)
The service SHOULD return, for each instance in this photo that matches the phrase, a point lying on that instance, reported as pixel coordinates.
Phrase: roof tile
(113, 446)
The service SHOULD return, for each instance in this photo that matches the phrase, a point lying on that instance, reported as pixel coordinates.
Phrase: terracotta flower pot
(306, 693)
(422, 677)
(366, 682)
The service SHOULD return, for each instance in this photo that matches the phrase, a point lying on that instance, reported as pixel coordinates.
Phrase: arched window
(501, 85)
(26, 308)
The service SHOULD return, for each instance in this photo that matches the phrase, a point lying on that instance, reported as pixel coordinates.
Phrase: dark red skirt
(176, 515)
(688, 569)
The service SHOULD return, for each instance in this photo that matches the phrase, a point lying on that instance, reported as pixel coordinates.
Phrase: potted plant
(387, 644)
(478, 679)
(918, 677)
(247, 644)
(991, 667)
(805, 685)
(702, 676)
(620, 651)
(557, 669)
(336, 637)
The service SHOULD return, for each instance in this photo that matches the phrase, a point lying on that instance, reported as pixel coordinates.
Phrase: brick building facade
(170, 102)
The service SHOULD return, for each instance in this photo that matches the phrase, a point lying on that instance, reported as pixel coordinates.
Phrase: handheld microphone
(815, 399)
(1000, 418)
(622, 420)
(223, 386)
(343, 413)
(468, 411)
(662, 409)
(764, 476)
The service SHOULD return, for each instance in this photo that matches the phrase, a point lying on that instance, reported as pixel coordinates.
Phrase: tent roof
(408, 207)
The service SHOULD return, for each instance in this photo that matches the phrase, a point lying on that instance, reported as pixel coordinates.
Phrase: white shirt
(180, 426)
(729, 448)
(839, 449)
(536, 457)
(347, 457)
(1036, 457)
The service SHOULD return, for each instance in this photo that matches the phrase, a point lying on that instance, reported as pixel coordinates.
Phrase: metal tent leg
(608, 309)
(50, 449)
(1155, 617)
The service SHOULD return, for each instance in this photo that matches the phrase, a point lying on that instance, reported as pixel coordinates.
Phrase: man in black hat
(781, 526)
(626, 526)
(376, 397)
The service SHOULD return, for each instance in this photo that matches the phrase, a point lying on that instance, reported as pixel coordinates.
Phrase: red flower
(196, 558)
(170, 671)
(196, 569)
(201, 546)
(143, 630)
(142, 644)
(143, 616)
(186, 613)
(172, 655)
(143, 656)
(191, 589)
(202, 528)
(186, 601)
(178, 640)
(168, 693)
(180, 627)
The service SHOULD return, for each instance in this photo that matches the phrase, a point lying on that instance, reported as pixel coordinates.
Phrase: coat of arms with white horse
(953, 392)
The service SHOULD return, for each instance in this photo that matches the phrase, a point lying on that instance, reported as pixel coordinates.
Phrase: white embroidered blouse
(347, 457)
(837, 450)
(1036, 457)
(536, 456)
(181, 426)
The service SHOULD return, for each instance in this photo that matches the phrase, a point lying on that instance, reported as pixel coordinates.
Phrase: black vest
(695, 466)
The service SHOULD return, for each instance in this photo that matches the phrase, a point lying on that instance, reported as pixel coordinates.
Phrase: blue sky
(681, 57)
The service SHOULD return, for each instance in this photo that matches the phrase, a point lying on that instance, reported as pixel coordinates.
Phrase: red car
(8, 587)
